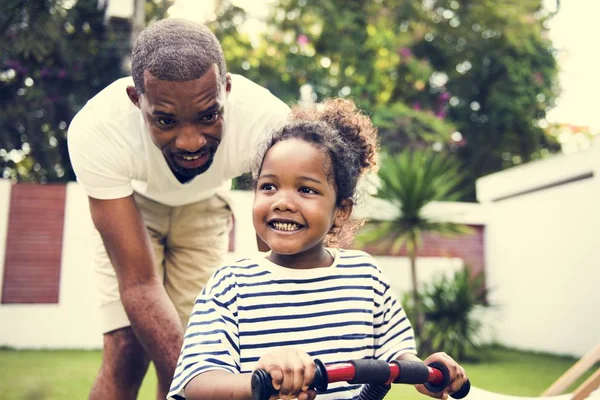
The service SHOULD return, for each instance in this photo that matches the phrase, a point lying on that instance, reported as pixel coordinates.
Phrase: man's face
(185, 119)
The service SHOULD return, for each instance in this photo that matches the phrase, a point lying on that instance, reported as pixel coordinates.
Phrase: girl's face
(295, 204)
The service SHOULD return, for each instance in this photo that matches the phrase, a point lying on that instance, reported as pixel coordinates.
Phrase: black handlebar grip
(445, 373)
(462, 392)
(412, 372)
(321, 379)
(375, 372)
(262, 383)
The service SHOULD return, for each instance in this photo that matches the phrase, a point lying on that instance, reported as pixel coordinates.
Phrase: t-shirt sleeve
(258, 114)
(392, 329)
(211, 341)
(99, 160)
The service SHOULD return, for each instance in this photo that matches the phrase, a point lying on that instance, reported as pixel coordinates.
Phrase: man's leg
(124, 361)
(124, 364)
(196, 246)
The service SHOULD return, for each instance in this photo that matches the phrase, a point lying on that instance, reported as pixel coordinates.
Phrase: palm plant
(449, 304)
(409, 181)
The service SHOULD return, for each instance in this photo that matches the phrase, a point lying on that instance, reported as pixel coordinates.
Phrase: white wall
(73, 322)
(4, 209)
(542, 254)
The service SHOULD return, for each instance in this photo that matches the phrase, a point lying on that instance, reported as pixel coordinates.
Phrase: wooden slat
(34, 244)
(587, 387)
(571, 375)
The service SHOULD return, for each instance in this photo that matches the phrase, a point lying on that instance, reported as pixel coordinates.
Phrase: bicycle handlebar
(434, 376)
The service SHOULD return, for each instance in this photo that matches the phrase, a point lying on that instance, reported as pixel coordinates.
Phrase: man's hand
(292, 371)
(458, 376)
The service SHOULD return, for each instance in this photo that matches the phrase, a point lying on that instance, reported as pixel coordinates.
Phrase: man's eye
(210, 117)
(165, 121)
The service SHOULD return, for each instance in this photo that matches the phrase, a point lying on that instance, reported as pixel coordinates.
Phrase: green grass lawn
(44, 375)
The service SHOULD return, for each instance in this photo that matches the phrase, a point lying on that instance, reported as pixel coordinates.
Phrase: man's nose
(190, 139)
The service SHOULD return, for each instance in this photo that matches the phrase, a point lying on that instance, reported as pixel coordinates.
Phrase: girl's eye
(165, 122)
(267, 187)
(306, 190)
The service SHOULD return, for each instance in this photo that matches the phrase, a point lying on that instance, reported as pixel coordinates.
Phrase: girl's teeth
(286, 226)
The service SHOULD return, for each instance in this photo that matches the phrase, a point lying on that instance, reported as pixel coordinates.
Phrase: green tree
(410, 180)
(54, 56)
(474, 78)
(501, 73)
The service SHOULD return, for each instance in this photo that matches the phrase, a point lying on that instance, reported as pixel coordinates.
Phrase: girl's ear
(343, 212)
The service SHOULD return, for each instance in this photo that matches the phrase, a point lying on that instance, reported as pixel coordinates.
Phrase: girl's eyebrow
(308, 178)
(272, 176)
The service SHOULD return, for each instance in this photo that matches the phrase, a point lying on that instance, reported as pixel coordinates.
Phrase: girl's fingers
(276, 377)
(459, 380)
(309, 371)
(307, 395)
(298, 374)
(288, 376)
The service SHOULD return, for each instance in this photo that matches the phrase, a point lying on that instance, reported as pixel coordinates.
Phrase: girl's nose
(284, 202)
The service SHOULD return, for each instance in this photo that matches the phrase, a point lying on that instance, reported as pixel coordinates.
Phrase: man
(155, 155)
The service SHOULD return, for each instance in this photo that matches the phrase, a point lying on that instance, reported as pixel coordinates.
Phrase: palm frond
(410, 180)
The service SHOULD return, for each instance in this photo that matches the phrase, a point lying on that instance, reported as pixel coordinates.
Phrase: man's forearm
(156, 324)
(217, 385)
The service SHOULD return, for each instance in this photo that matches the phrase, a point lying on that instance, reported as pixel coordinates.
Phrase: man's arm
(153, 317)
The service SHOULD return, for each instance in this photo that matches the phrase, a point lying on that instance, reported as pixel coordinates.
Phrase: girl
(304, 300)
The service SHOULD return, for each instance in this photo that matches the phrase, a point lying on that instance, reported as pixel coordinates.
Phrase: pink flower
(445, 96)
(416, 106)
(405, 52)
(62, 73)
(302, 40)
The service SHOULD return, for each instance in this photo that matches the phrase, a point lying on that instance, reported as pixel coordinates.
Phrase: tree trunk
(418, 324)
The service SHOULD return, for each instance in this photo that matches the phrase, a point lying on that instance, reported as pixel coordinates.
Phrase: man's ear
(343, 212)
(227, 83)
(133, 95)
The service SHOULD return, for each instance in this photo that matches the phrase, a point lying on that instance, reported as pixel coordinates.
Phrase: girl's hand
(292, 371)
(458, 376)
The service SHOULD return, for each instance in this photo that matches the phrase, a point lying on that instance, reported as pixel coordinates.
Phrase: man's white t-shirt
(113, 154)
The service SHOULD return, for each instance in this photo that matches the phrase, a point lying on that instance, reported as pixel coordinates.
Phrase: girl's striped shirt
(343, 312)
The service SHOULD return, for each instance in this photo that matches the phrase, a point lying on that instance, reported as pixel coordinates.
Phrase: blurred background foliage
(471, 78)
(452, 307)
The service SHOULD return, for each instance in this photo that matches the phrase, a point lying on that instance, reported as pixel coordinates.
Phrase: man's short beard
(185, 174)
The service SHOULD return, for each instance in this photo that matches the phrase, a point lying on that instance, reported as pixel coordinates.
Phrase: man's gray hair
(175, 49)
